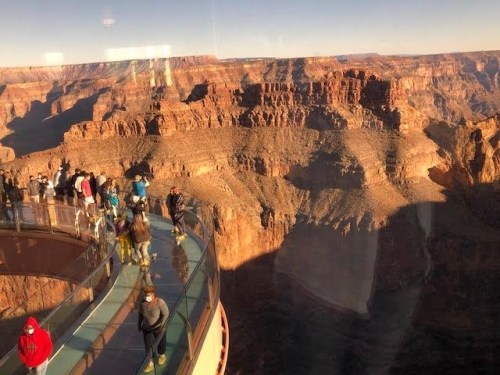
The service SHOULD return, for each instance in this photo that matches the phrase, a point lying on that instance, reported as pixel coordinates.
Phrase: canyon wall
(165, 95)
(312, 124)
(324, 130)
(355, 181)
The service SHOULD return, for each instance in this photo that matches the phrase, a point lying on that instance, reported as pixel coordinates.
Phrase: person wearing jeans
(153, 314)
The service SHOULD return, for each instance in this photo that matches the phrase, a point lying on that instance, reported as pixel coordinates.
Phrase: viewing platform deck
(105, 337)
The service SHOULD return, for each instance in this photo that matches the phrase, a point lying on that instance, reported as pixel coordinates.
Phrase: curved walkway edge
(75, 349)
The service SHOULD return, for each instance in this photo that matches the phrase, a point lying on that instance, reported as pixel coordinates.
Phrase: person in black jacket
(178, 213)
(71, 187)
(171, 209)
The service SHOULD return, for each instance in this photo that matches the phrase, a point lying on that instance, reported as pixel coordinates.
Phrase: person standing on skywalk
(34, 347)
(153, 315)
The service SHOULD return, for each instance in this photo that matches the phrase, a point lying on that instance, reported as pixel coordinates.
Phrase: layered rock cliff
(360, 176)
(375, 92)
(321, 129)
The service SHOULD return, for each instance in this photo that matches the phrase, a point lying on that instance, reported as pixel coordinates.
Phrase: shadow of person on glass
(180, 262)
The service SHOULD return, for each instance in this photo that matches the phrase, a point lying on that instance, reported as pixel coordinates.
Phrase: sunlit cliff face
(351, 189)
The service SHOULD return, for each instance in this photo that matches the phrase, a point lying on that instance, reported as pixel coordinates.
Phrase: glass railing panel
(68, 312)
(56, 321)
(194, 225)
(58, 308)
(74, 272)
(29, 214)
(38, 304)
(77, 270)
(62, 317)
(6, 215)
(197, 296)
(12, 365)
(177, 339)
(57, 217)
(65, 314)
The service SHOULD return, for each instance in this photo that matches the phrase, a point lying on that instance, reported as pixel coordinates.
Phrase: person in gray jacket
(153, 314)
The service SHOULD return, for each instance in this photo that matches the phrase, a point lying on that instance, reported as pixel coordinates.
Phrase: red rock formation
(471, 153)
(6, 154)
(447, 87)
(347, 125)
(338, 167)
(17, 100)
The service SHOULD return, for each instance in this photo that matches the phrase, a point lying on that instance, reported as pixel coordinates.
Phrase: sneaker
(162, 359)
(150, 367)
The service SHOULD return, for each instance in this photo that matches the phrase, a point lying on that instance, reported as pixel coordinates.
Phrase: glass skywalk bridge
(102, 336)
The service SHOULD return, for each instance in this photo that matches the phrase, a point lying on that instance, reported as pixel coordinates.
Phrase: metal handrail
(87, 279)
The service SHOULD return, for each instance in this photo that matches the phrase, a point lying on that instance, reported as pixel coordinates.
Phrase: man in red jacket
(34, 347)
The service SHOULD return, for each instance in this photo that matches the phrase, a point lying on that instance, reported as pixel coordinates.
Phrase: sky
(55, 32)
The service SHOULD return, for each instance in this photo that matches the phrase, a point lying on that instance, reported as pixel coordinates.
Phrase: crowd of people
(81, 189)
(91, 193)
(88, 192)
